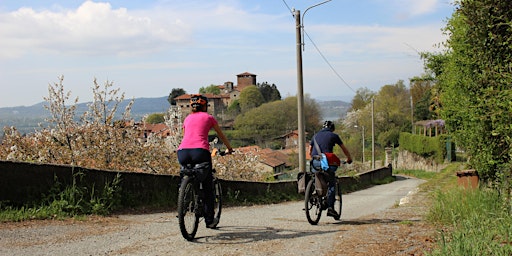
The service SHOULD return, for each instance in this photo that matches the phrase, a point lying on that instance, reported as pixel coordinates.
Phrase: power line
(328, 63)
(319, 52)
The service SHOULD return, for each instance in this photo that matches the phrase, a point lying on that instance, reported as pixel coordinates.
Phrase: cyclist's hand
(226, 152)
(349, 160)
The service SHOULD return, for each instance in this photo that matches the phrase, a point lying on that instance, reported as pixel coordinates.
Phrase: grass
(477, 220)
(470, 221)
(76, 200)
(417, 174)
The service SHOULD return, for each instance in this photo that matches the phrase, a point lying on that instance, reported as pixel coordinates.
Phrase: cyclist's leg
(331, 179)
(201, 156)
(209, 198)
(195, 156)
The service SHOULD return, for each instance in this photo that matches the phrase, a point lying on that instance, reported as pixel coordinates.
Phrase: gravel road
(279, 229)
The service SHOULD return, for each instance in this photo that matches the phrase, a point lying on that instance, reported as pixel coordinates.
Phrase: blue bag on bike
(322, 158)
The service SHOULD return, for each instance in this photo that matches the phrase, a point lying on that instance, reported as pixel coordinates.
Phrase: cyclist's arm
(346, 152)
(223, 137)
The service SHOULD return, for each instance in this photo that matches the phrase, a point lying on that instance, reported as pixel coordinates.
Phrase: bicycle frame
(315, 203)
(191, 198)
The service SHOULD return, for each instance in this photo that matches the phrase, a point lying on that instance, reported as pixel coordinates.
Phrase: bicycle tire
(313, 204)
(217, 203)
(338, 203)
(187, 208)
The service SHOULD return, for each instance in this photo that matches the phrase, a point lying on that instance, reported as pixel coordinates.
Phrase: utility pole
(373, 136)
(300, 95)
(300, 88)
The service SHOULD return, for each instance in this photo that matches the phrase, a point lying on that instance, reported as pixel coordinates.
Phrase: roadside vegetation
(469, 221)
(64, 201)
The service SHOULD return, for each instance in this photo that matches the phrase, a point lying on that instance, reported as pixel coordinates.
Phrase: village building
(217, 104)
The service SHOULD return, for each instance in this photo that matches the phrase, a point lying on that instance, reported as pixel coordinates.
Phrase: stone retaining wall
(406, 160)
(22, 183)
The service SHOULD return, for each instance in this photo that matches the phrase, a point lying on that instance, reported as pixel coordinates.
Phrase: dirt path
(371, 225)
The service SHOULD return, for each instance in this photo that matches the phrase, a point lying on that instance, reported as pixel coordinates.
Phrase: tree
(175, 92)
(213, 89)
(155, 118)
(474, 82)
(362, 98)
(95, 140)
(269, 92)
(276, 118)
(392, 112)
(250, 98)
(423, 98)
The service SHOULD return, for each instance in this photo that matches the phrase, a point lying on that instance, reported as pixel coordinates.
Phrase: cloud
(365, 40)
(93, 29)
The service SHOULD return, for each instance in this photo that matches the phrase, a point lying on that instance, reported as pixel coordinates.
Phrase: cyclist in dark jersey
(326, 140)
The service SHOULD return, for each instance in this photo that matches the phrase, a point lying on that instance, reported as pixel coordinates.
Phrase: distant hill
(26, 119)
(333, 109)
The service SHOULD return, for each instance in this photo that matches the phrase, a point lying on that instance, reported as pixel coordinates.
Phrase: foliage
(276, 118)
(424, 98)
(250, 98)
(478, 220)
(213, 89)
(474, 81)
(234, 107)
(269, 92)
(391, 111)
(95, 141)
(155, 118)
(428, 147)
(175, 92)
(73, 200)
(362, 98)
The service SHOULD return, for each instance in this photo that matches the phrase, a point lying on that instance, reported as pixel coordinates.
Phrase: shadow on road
(249, 234)
(373, 221)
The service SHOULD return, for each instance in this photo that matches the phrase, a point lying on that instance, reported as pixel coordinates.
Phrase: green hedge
(428, 147)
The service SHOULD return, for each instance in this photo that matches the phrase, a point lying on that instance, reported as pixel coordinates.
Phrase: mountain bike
(191, 208)
(316, 203)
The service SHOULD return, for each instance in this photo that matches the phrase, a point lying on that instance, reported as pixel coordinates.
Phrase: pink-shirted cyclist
(195, 149)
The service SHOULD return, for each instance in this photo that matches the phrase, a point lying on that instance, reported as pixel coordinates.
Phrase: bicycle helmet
(198, 102)
(329, 125)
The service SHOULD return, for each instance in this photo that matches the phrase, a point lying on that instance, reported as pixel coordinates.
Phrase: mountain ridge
(27, 118)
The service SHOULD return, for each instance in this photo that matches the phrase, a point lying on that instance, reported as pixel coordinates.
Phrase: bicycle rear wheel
(338, 203)
(217, 203)
(187, 208)
(313, 204)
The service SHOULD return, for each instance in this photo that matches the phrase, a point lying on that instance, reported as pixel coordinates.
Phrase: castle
(218, 103)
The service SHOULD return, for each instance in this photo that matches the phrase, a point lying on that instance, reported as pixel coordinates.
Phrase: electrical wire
(319, 52)
(327, 61)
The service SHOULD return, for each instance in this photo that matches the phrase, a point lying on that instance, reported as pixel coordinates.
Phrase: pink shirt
(197, 125)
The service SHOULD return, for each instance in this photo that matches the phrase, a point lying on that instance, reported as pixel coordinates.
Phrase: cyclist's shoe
(332, 213)
(214, 223)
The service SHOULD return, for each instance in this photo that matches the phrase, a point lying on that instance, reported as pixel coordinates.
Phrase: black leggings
(197, 156)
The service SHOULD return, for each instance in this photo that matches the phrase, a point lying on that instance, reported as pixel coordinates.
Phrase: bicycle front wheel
(187, 208)
(313, 204)
(217, 203)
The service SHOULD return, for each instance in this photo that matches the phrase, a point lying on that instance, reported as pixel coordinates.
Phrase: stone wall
(406, 160)
(22, 183)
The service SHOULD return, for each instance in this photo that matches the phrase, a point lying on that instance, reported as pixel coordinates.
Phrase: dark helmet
(330, 125)
(199, 102)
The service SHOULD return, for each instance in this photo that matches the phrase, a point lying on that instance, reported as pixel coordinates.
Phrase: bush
(428, 147)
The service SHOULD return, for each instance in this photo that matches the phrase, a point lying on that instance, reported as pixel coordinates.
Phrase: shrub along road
(279, 229)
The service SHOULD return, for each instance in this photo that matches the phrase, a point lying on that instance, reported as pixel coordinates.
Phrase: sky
(147, 48)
